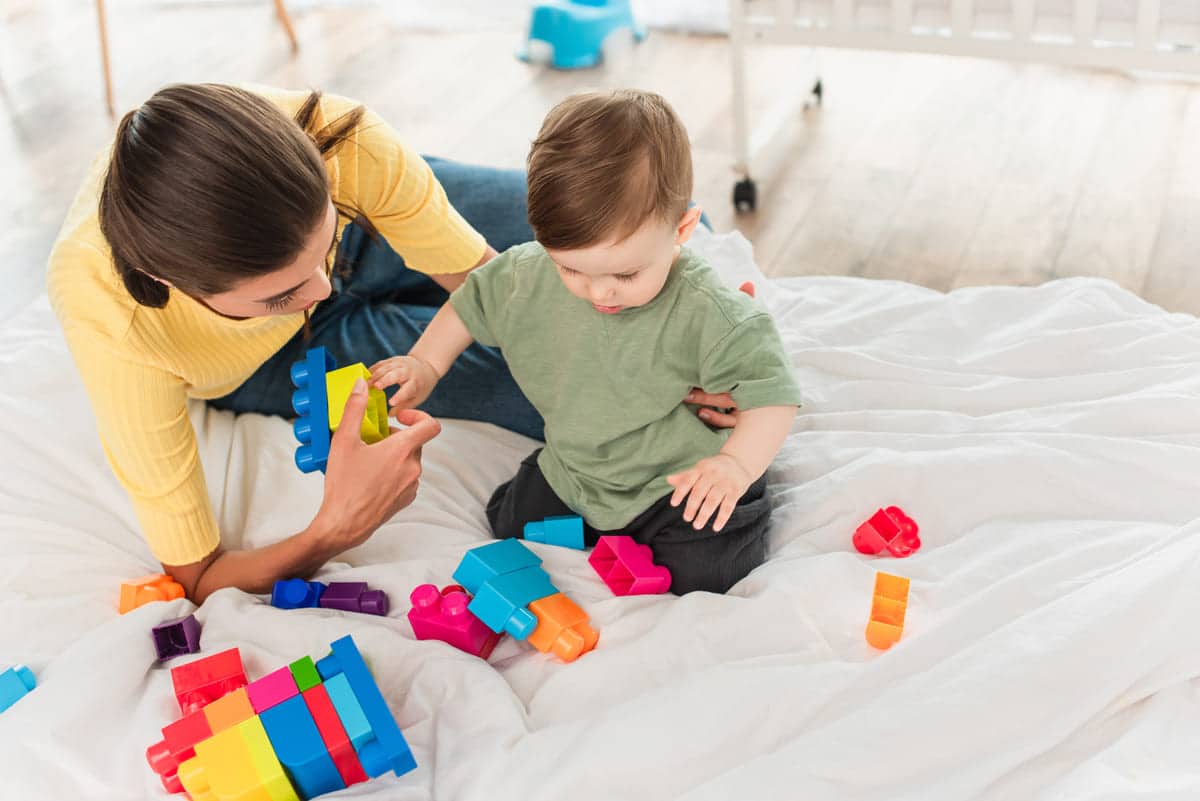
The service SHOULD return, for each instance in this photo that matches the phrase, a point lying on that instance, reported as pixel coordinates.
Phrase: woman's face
(290, 289)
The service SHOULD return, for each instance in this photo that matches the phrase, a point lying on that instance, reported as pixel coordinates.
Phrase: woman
(229, 230)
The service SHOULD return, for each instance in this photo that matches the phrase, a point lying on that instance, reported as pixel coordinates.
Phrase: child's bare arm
(716, 484)
(418, 373)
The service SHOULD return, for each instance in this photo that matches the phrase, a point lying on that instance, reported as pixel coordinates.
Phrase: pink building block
(444, 616)
(888, 528)
(272, 689)
(628, 568)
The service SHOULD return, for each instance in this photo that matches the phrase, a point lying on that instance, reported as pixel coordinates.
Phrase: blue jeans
(382, 307)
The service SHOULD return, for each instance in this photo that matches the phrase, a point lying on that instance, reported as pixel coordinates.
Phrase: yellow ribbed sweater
(140, 365)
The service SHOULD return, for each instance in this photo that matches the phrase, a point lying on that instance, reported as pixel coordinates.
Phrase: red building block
(199, 683)
(628, 568)
(444, 616)
(155, 587)
(334, 735)
(889, 529)
(177, 746)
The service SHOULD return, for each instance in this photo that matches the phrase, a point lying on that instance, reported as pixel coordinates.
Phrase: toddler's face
(613, 276)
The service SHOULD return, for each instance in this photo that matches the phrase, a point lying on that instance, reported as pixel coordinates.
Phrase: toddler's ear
(687, 224)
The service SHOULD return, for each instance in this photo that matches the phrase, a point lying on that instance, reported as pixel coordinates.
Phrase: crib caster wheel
(745, 196)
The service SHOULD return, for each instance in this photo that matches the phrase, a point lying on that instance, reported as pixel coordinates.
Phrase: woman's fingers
(717, 419)
(722, 400)
(347, 436)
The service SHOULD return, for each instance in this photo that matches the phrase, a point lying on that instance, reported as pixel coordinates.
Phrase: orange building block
(887, 611)
(155, 587)
(229, 710)
(562, 628)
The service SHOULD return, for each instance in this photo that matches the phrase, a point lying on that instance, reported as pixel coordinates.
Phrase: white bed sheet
(1047, 440)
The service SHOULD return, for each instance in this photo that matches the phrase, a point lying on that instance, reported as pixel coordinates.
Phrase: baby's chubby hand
(416, 378)
(715, 484)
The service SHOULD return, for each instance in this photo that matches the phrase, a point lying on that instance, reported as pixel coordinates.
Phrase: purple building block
(176, 637)
(353, 596)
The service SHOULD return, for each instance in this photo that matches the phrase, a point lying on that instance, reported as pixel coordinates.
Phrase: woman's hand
(416, 378)
(365, 485)
(715, 484)
(714, 412)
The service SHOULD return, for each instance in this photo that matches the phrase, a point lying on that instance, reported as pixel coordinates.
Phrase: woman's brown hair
(209, 185)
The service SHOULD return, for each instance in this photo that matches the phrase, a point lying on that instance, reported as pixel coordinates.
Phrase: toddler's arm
(717, 483)
(418, 372)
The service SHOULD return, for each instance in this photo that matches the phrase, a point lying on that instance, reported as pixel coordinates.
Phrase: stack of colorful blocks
(319, 401)
(297, 733)
(513, 594)
(348, 596)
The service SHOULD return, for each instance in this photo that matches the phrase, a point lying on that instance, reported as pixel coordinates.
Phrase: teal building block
(565, 531)
(494, 559)
(15, 684)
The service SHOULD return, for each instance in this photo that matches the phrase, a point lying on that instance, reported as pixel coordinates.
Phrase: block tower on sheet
(319, 400)
(297, 733)
(513, 594)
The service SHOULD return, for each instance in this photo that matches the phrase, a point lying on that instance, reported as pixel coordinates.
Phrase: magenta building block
(444, 616)
(272, 689)
(628, 568)
(176, 637)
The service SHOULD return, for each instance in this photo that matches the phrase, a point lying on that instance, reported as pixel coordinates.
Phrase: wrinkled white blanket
(1046, 440)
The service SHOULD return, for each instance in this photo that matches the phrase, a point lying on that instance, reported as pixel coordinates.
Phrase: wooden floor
(938, 171)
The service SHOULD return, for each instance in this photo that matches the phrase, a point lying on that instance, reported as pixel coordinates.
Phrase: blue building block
(15, 684)
(300, 748)
(501, 602)
(494, 559)
(576, 29)
(296, 594)
(311, 404)
(387, 750)
(565, 531)
(354, 720)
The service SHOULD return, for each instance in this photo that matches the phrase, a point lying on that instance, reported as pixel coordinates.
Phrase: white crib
(1155, 35)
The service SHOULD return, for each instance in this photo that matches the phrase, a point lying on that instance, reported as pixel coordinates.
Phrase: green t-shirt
(610, 386)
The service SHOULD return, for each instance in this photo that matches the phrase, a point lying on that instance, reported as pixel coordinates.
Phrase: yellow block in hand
(338, 384)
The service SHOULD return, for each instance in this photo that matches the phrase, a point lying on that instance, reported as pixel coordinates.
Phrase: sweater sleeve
(141, 415)
(393, 186)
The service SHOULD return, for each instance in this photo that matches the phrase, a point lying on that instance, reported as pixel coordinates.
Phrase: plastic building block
(887, 610)
(562, 628)
(387, 749)
(205, 680)
(563, 530)
(444, 616)
(338, 386)
(350, 712)
(353, 596)
(501, 602)
(296, 594)
(494, 559)
(272, 689)
(176, 637)
(177, 746)
(333, 734)
(144, 590)
(888, 528)
(628, 568)
(305, 674)
(300, 749)
(311, 405)
(266, 764)
(223, 769)
(576, 29)
(15, 684)
(228, 711)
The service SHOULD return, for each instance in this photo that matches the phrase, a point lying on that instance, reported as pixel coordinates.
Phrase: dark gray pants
(698, 560)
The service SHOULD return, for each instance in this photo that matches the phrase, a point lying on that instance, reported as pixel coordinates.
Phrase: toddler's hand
(416, 378)
(717, 482)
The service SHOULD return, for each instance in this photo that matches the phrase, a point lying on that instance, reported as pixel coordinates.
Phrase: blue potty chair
(576, 29)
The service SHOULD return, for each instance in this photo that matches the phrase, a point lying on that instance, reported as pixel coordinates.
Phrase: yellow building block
(270, 772)
(888, 607)
(223, 770)
(338, 384)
